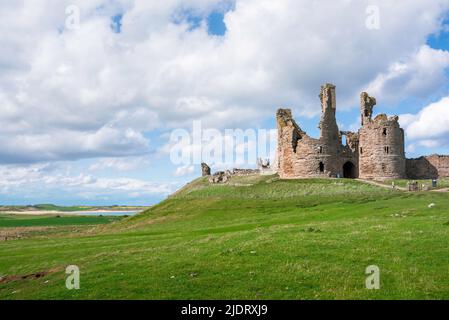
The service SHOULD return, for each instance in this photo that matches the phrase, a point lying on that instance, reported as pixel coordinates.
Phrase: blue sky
(90, 95)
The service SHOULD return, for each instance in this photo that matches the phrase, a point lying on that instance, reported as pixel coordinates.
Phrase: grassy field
(254, 238)
(15, 221)
(55, 208)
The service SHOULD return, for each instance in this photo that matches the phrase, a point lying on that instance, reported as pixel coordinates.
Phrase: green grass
(52, 207)
(255, 238)
(13, 221)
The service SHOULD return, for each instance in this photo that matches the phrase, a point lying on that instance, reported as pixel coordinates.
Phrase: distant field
(51, 207)
(14, 221)
(254, 238)
(55, 208)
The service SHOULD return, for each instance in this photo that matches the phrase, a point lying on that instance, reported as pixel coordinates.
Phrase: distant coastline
(48, 209)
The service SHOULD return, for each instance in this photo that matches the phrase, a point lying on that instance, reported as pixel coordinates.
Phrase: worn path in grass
(382, 185)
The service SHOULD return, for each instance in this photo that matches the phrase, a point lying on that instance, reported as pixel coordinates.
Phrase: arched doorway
(349, 170)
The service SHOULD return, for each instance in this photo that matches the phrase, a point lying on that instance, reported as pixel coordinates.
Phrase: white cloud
(61, 144)
(421, 75)
(41, 179)
(430, 143)
(411, 148)
(184, 171)
(429, 127)
(120, 164)
(93, 93)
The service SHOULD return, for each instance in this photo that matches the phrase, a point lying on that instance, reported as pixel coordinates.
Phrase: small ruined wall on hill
(430, 167)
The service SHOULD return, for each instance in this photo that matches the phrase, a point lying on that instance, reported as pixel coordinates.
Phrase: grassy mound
(253, 238)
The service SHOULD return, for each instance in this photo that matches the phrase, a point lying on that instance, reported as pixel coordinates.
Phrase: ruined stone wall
(329, 133)
(367, 104)
(288, 132)
(205, 170)
(375, 152)
(381, 149)
(430, 167)
(300, 156)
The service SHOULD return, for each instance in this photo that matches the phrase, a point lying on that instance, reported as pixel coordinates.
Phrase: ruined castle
(376, 151)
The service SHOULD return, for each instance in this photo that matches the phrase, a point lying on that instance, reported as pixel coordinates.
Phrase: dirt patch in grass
(441, 190)
(31, 276)
(8, 234)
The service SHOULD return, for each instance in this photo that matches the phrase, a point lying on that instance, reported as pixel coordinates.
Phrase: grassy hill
(253, 238)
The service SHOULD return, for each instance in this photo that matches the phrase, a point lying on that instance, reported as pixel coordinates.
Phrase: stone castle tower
(381, 146)
(376, 151)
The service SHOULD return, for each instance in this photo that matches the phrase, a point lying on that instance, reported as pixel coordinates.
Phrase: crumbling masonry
(376, 151)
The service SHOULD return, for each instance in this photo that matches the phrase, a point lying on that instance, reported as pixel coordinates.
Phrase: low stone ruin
(245, 172)
(263, 164)
(224, 176)
(205, 169)
(219, 177)
(265, 167)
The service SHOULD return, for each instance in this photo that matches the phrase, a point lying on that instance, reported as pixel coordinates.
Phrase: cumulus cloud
(429, 127)
(40, 179)
(94, 91)
(120, 164)
(63, 144)
(421, 75)
(184, 171)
